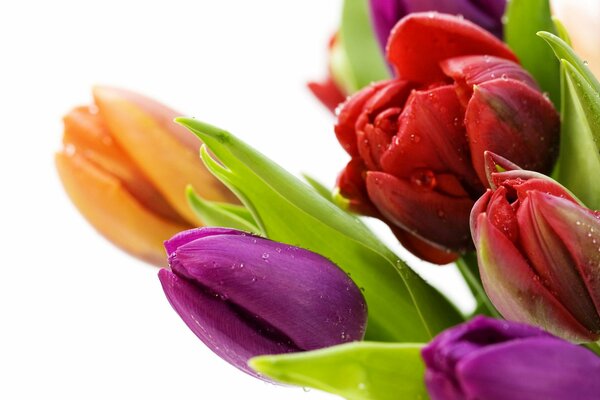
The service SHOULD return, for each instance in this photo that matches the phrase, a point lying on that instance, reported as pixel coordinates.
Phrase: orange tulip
(125, 165)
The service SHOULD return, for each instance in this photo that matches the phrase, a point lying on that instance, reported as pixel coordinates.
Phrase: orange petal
(166, 152)
(87, 133)
(113, 211)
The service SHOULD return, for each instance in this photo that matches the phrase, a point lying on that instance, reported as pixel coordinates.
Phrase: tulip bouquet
(472, 129)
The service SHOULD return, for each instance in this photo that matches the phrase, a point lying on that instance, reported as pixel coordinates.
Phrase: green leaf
(358, 44)
(318, 187)
(563, 50)
(355, 371)
(402, 307)
(221, 214)
(524, 18)
(579, 157)
(561, 31)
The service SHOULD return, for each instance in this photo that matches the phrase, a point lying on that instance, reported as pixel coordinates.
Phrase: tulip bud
(500, 360)
(125, 165)
(245, 296)
(417, 142)
(539, 253)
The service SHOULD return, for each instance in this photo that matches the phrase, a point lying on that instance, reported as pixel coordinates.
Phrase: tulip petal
(422, 249)
(532, 368)
(514, 121)
(164, 151)
(494, 164)
(88, 135)
(220, 326)
(448, 350)
(378, 121)
(349, 112)
(351, 186)
(420, 41)
(551, 260)
(435, 217)
(579, 231)
(185, 237)
(431, 135)
(327, 92)
(251, 272)
(468, 71)
(515, 290)
(113, 211)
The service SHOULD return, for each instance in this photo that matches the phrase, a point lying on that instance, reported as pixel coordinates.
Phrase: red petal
(514, 121)
(349, 113)
(502, 215)
(434, 217)
(422, 249)
(494, 164)
(420, 41)
(565, 250)
(468, 71)
(431, 135)
(328, 93)
(351, 185)
(516, 291)
(378, 122)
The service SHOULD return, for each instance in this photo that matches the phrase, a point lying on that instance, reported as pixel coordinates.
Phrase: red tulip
(539, 252)
(417, 141)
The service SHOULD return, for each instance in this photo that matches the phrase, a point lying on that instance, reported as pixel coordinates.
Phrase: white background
(78, 318)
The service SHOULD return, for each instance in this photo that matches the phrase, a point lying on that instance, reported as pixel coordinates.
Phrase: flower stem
(467, 265)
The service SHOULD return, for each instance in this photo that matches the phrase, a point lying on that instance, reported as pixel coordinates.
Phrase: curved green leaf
(579, 157)
(355, 371)
(402, 307)
(524, 18)
(363, 57)
(221, 214)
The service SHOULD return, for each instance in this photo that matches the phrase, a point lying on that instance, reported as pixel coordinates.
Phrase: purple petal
(192, 234)
(447, 350)
(234, 339)
(535, 368)
(300, 293)
(384, 15)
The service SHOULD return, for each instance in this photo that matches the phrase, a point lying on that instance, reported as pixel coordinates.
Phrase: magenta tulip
(245, 296)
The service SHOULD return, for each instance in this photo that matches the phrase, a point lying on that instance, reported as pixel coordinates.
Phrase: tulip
(125, 166)
(500, 360)
(539, 253)
(245, 296)
(417, 142)
(485, 13)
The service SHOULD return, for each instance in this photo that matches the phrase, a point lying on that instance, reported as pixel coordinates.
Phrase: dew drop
(265, 256)
(423, 178)
(504, 77)
(586, 62)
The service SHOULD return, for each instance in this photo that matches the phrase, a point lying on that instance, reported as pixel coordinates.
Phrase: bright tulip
(245, 296)
(500, 360)
(125, 165)
(539, 253)
(417, 142)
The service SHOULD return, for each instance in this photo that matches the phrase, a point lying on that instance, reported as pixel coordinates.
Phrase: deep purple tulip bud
(485, 13)
(245, 296)
(500, 360)
(539, 252)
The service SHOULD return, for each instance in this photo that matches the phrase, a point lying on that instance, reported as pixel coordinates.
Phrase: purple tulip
(500, 360)
(245, 296)
(485, 13)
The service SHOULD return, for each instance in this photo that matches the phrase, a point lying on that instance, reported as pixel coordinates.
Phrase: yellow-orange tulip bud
(125, 165)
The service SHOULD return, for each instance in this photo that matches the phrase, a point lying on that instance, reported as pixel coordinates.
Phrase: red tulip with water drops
(417, 142)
